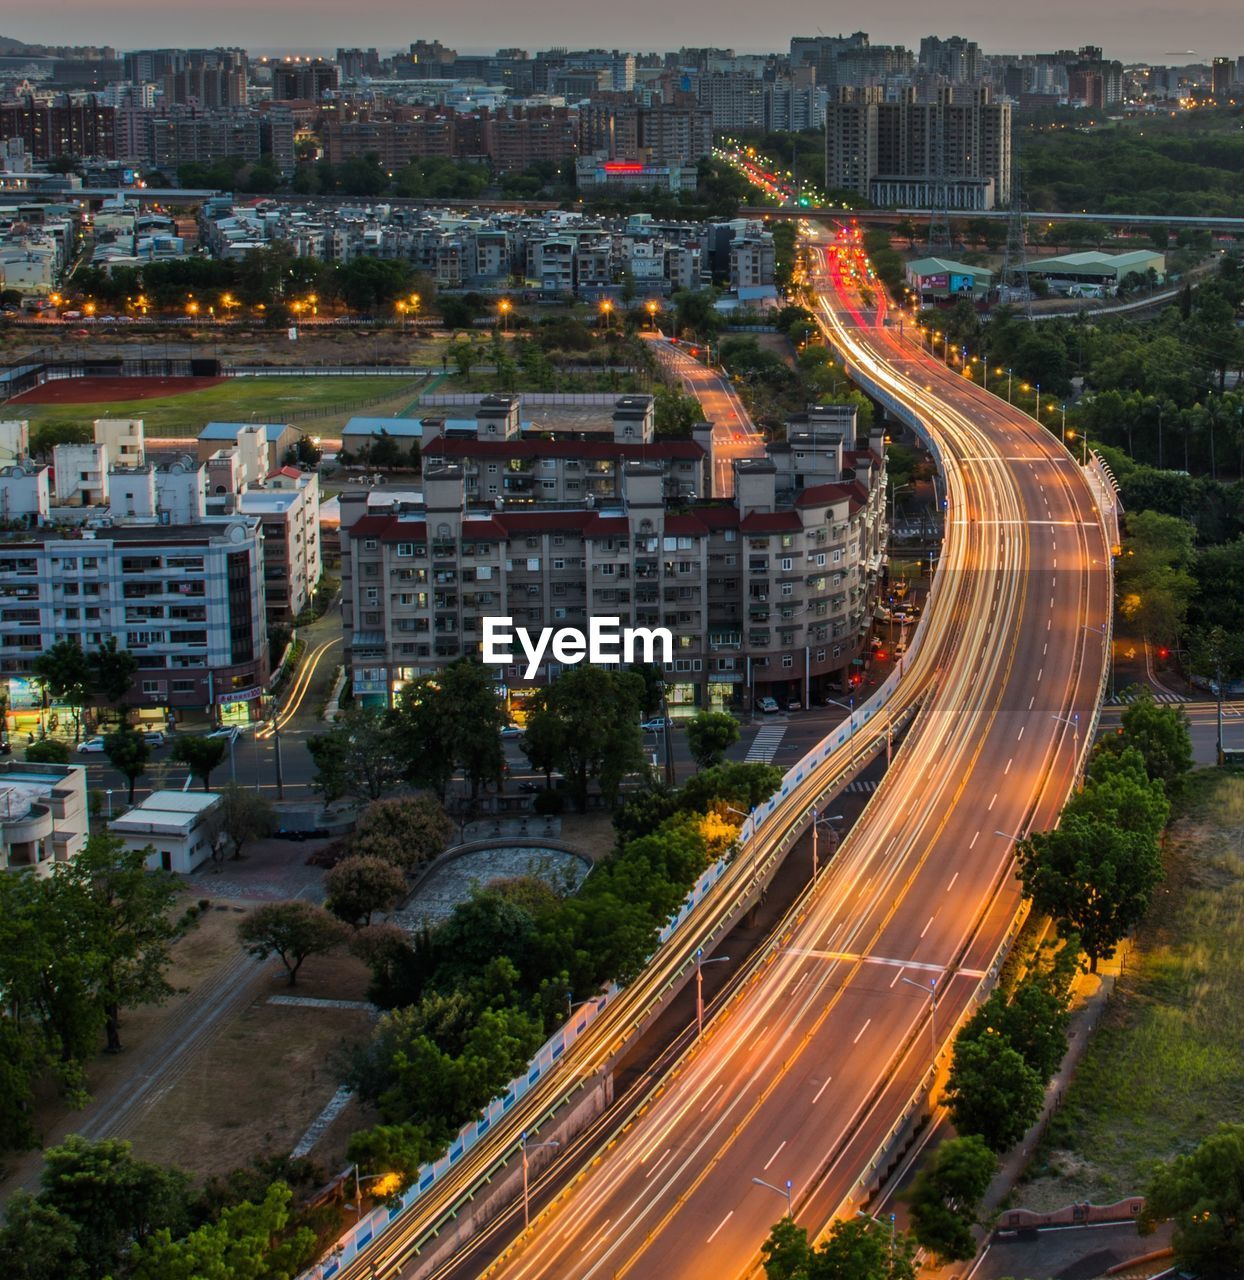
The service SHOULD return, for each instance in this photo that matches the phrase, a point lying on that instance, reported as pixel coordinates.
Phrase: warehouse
(936, 279)
(1094, 274)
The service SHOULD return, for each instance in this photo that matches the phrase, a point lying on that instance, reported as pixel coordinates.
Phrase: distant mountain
(10, 48)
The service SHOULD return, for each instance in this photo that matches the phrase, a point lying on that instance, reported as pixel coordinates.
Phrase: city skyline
(1151, 35)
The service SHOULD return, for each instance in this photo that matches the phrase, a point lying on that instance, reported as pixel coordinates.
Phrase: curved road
(803, 1079)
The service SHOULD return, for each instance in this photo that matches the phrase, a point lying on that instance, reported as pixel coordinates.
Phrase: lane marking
(719, 1226)
(1022, 727)
(922, 933)
(596, 1235)
(656, 1166)
(951, 885)
(821, 1090)
(711, 1096)
(774, 1156)
(993, 801)
(1009, 763)
(860, 1032)
(975, 838)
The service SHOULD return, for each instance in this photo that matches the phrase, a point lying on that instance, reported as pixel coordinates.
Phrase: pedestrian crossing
(862, 786)
(765, 743)
(1122, 699)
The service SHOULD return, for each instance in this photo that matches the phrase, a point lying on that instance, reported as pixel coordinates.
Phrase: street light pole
(782, 1191)
(700, 962)
(817, 822)
(1074, 722)
(932, 994)
(526, 1146)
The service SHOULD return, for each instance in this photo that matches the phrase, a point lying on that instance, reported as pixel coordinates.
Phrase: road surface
(802, 1081)
(734, 434)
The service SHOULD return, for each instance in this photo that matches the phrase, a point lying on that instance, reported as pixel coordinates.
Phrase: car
(655, 725)
(794, 705)
(511, 730)
(900, 648)
(93, 745)
(155, 737)
(767, 705)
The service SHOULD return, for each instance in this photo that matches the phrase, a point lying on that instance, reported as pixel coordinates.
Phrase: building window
(787, 660)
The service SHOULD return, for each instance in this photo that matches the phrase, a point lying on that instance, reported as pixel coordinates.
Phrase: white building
(288, 507)
(81, 473)
(14, 439)
(43, 815)
(179, 827)
(124, 438)
(25, 492)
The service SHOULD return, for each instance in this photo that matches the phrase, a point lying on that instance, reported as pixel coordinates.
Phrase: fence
(530, 399)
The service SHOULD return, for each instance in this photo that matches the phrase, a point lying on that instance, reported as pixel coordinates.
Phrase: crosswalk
(1122, 699)
(765, 743)
(862, 786)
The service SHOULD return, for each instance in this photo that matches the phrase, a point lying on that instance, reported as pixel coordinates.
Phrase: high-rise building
(308, 78)
(956, 58)
(60, 128)
(954, 150)
(1222, 75)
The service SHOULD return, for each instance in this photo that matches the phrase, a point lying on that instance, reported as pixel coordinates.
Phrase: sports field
(181, 407)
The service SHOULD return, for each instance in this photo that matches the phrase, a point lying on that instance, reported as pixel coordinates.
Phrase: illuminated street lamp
(782, 1191)
(700, 962)
(652, 307)
(931, 991)
(606, 310)
(505, 306)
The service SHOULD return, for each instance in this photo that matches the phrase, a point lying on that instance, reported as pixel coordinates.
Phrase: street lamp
(391, 1179)
(652, 307)
(1037, 409)
(526, 1146)
(505, 306)
(1074, 722)
(932, 994)
(846, 706)
(1008, 386)
(700, 962)
(606, 310)
(782, 1191)
(817, 822)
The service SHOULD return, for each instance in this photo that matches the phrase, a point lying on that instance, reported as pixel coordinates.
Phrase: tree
(48, 751)
(247, 1242)
(244, 815)
(406, 832)
(38, 1242)
(1092, 877)
(358, 886)
(1203, 1192)
(992, 1091)
(293, 931)
(128, 753)
(710, 735)
(599, 737)
(121, 915)
(394, 1148)
(114, 1201)
(200, 754)
(356, 758)
(65, 676)
(1160, 734)
(857, 1248)
(945, 1197)
(112, 672)
(1033, 1021)
(1120, 793)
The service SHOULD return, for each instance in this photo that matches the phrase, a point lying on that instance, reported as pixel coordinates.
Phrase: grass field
(1165, 1066)
(314, 404)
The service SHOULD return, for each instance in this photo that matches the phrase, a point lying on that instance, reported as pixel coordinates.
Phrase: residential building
(43, 815)
(14, 439)
(25, 492)
(303, 78)
(187, 600)
(81, 474)
(123, 438)
(771, 592)
(62, 127)
(288, 510)
(181, 828)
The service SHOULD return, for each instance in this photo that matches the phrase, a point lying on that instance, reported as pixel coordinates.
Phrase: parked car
(93, 745)
(656, 724)
(155, 737)
(767, 705)
(511, 731)
(794, 705)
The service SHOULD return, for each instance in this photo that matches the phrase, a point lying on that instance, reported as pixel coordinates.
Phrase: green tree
(123, 917)
(394, 1148)
(855, 1249)
(38, 1242)
(65, 676)
(247, 1242)
(114, 1201)
(1093, 878)
(944, 1200)
(1120, 793)
(356, 758)
(112, 672)
(244, 815)
(127, 752)
(992, 1091)
(1203, 1192)
(710, 735)
(293, 931)
(48, 751)
(406, 831)
(200, 754)
(358, 886)
(1160, 734)
(600, 738)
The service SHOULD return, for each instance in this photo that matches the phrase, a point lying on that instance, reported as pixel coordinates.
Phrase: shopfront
(239, 707)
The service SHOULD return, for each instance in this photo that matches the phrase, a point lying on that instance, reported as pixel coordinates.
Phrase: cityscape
(621, 662)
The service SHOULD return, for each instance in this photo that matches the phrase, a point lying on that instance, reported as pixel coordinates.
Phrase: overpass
(890, 217)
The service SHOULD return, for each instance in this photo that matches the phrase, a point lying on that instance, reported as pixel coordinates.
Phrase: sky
(1165, 33)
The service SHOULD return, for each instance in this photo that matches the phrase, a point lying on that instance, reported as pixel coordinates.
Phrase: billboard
(933, 282)
(961, 284)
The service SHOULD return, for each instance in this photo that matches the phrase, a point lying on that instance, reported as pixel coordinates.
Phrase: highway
(734, 435)
(802, 1080)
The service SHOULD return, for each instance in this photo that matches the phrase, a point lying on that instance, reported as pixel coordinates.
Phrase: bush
(549, 802)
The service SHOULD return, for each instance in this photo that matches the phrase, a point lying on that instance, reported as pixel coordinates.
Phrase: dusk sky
(1150, 32)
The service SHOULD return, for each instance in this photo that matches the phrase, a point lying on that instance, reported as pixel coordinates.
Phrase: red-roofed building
(771, 592)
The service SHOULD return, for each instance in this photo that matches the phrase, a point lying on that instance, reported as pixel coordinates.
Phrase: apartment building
(955, 148)
(187, 600)
(771, 593)
(288, 510)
